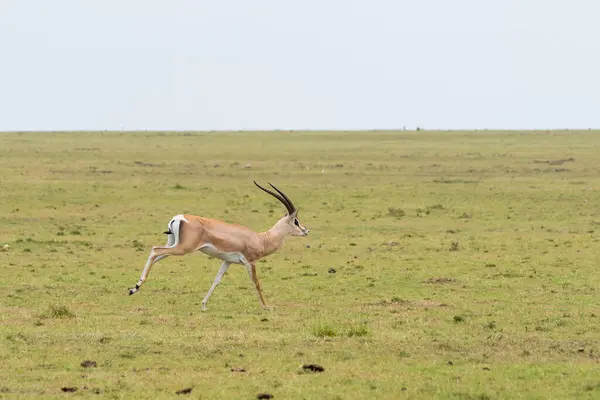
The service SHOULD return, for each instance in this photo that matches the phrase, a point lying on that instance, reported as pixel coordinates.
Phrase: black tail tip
(168, 232)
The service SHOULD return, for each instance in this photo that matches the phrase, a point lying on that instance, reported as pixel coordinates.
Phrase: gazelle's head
(289, 223)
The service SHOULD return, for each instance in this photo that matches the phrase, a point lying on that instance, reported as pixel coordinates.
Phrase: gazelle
(232, 243)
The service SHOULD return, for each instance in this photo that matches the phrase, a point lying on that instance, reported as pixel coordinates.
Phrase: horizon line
(418, 129)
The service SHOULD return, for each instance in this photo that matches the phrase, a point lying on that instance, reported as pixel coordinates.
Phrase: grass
(459, 265)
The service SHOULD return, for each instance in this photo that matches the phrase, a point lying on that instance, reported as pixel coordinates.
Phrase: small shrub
(60, 312)
(325, 331)
(357, 331)
(420, 212)
(137, 245)
(397, 300)
(18, 337)
(490, 325)
(592, 387)
(458, 319)
(396, 212)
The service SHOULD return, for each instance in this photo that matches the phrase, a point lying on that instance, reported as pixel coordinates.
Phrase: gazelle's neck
(272, 240)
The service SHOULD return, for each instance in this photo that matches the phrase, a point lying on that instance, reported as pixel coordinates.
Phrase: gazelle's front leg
(251, 267)
(216, 282)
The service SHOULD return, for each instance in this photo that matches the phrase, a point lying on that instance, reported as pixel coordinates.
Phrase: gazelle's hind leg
(158, 253)
(216, 282)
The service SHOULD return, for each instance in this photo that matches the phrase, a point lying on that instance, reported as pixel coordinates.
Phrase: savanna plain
(455, 265)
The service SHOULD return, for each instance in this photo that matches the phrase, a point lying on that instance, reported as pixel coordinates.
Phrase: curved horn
(289, 208)
(285, 197)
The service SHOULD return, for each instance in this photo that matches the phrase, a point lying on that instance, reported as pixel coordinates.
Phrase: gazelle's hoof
(134, 289)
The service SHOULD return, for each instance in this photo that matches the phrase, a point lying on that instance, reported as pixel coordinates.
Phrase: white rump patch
(179, 218)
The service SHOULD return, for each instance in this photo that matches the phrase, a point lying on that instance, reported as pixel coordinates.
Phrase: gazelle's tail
(173, 229)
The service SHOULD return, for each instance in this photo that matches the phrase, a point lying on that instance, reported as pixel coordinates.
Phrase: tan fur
(231, 238)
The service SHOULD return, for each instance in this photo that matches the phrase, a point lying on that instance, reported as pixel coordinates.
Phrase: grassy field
(466, 266)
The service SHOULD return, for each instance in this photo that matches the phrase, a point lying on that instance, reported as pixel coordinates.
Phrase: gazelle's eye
(296, 222)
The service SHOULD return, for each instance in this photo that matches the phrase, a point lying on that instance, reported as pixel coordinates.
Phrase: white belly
(212, 251)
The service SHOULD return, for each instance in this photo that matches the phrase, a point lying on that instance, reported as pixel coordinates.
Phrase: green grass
(466, 266)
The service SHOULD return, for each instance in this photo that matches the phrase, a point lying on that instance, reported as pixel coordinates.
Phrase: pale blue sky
(329, 64)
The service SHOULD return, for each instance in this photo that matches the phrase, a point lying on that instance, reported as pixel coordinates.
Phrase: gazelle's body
(231, 243)
(206, 234)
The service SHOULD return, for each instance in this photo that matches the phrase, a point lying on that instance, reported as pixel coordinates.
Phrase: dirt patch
(89, 364)
(438, 280)
(184, 391)
(429, 303)
(145, 164)
(313, 368)
(555, 162)
(397, 302)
